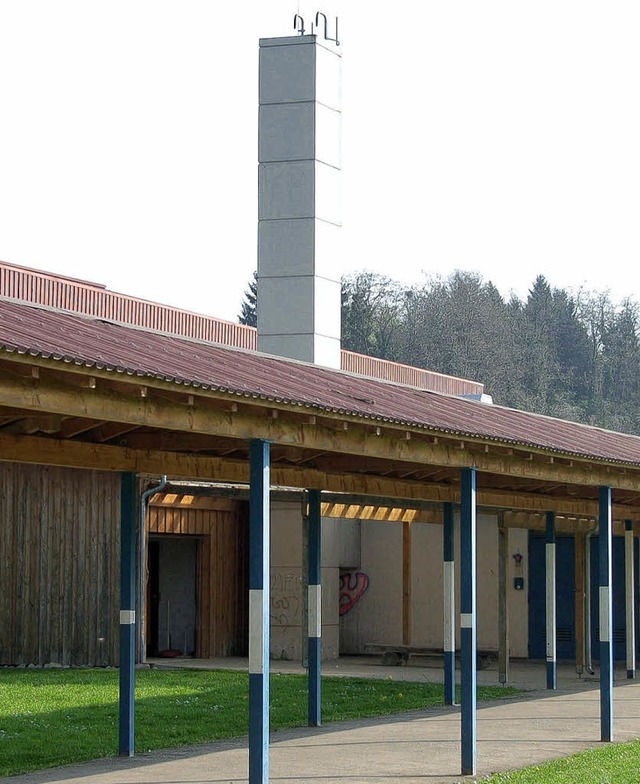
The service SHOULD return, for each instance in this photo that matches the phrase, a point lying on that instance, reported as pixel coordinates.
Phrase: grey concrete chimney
(299, 203)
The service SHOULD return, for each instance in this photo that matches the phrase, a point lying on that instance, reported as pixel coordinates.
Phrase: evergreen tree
(595, 313)
(621, 368)
(571, 347)
(371, 314)
(572, 356)
(249, 306)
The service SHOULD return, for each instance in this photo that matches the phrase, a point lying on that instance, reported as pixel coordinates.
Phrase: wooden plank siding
(59, 540)
(222, 579)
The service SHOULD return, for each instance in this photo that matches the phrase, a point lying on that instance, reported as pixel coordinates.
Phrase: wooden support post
(468, 619)
(606, 620)
(503, 607)
(314, 613)
(630, 599)
(579, 603)
(128, 519)
(406, 583)
(550, 592)
(259, 533)
(449, 608)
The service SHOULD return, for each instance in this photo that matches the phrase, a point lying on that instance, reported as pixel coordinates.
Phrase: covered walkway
(412, 748)
(80, 393)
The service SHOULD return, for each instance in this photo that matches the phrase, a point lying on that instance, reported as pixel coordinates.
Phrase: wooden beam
(172, 441)
(179, 465)
(76, 454)
(253, 422)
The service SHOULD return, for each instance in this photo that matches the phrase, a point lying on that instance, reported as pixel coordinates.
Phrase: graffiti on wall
(285, 599)
(352, 586)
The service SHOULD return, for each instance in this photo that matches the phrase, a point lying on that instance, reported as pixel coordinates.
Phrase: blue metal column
(629, 579)
(128, 517)
(449, 607)
(259, 612)
(606, 615)
(315, 610)
(468, 619)
(550, 593)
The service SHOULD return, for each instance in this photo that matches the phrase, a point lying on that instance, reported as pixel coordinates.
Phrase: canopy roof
(98, 382)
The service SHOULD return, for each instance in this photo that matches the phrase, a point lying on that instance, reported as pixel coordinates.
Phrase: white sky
(500, 137)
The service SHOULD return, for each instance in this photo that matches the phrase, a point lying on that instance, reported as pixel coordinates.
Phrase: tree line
(569, 355)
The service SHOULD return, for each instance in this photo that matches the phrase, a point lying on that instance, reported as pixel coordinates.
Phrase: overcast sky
(499, 137)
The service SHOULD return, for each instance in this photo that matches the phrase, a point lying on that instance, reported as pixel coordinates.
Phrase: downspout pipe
(146, 495)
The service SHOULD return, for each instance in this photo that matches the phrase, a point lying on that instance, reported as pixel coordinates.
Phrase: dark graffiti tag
(352, 586)
(285, 599)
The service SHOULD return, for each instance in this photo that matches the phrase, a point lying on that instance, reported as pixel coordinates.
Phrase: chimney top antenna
(326, 35)
(299, 26)
(298, 23)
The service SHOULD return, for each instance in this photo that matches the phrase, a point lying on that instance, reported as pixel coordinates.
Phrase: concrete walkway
(415, 748)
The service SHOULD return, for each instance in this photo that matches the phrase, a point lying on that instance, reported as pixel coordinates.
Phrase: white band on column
(630, 609)
(550, 554)
(449, 608)
(466, 620)
(604, 613)
(315, 610)
(127, 617)
(256, 621)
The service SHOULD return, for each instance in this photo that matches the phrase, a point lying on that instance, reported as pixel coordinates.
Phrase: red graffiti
(352, 586)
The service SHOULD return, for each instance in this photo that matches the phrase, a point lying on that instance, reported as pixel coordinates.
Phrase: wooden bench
(398, 655)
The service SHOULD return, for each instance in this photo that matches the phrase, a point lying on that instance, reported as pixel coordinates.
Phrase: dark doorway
(565, 601)
(565, 597)
(618, 598)
(172, 596)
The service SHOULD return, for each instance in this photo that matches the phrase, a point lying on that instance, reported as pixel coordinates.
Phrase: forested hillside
(574, 356)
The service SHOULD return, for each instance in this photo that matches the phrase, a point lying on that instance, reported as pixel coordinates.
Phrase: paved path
(416, 748)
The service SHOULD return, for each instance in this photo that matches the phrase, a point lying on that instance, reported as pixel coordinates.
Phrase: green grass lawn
(54, 717)
(618, 763)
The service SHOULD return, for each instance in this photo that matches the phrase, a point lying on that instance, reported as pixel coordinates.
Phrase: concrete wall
(518, 600)
(375, 611)
(288, 620)
(376, 615)
(362, 585)
(287, 605)
(426, 585)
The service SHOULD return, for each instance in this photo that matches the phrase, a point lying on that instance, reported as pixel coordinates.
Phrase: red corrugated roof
(91, 342)
(94, 299)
